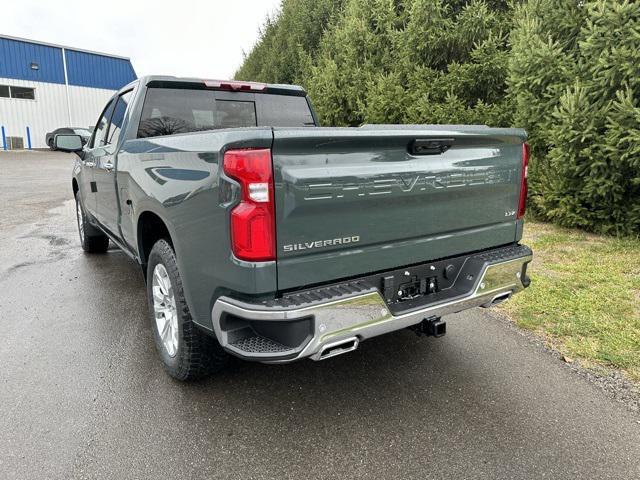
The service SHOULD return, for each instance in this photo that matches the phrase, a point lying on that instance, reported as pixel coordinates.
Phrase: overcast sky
(184, 38)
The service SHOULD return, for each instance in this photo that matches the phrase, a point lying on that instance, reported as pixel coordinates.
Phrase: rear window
(169, 111)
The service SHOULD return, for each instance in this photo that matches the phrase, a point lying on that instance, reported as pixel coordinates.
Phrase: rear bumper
(279, 332)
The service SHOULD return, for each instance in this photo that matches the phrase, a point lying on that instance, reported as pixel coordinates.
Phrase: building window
(23, 92)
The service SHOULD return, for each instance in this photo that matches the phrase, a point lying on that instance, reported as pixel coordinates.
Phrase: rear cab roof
(166, 81)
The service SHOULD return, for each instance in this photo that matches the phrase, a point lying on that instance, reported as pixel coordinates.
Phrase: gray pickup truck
(266, 236)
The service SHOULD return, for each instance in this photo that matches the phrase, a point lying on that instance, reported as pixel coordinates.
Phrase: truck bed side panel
(177, 178)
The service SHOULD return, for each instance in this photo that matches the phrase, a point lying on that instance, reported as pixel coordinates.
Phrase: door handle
(430, 146)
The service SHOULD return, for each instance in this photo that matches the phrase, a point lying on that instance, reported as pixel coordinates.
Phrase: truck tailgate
(351, 201)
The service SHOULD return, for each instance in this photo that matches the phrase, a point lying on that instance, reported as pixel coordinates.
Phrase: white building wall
(49, 109)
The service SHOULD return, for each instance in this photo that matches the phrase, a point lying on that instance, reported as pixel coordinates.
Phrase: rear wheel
(186, 352)
(92, 240)
(51, 145)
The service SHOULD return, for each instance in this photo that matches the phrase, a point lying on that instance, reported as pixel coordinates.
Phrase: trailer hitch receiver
(431, 327)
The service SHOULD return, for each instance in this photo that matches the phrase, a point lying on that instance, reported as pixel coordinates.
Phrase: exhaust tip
(503, 297)
(338, 348)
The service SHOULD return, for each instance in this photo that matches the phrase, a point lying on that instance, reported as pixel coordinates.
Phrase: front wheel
(186, 352)
(91, 239)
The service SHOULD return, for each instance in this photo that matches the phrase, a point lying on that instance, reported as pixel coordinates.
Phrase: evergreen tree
(286, 43)
(414, 61)
(575, 74)
(356, 50)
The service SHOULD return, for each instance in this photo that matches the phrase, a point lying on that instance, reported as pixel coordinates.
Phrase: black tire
(197, 354)
(50, 143)
(92, 240)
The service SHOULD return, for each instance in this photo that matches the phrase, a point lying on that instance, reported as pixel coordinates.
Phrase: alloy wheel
(164, 309)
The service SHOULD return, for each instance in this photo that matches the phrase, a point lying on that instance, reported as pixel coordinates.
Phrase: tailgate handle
(430, 146)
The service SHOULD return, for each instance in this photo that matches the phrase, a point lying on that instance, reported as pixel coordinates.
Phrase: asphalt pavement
(83, 394)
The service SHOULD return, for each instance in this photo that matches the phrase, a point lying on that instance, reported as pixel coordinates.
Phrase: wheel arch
(150, 227)
(74, 186)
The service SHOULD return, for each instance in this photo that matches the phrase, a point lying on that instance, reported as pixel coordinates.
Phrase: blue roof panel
(98, 71)
(17, 56)
(84, 69)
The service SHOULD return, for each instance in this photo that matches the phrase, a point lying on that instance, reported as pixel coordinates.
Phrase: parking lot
(83, 395)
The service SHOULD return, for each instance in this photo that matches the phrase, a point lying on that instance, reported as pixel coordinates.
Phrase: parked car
(268, 237)
(84, 133)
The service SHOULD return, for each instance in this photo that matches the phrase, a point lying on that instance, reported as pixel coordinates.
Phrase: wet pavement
(83, 394)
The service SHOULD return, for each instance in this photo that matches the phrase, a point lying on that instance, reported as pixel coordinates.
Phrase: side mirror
(68, 143)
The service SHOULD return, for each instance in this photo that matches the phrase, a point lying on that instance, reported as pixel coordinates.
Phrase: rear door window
(100, 133)
(117, 118)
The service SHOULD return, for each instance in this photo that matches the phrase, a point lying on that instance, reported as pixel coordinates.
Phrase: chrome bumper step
(333, 315)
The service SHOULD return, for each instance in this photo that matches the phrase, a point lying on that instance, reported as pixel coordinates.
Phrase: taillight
(522, 205)
(253, 235)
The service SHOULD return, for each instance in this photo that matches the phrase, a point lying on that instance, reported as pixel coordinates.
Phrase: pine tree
(287, 41)
(574, 77)
(417, 61)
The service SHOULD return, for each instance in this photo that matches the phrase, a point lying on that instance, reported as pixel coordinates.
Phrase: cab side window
(100, 133)
(117, 119)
